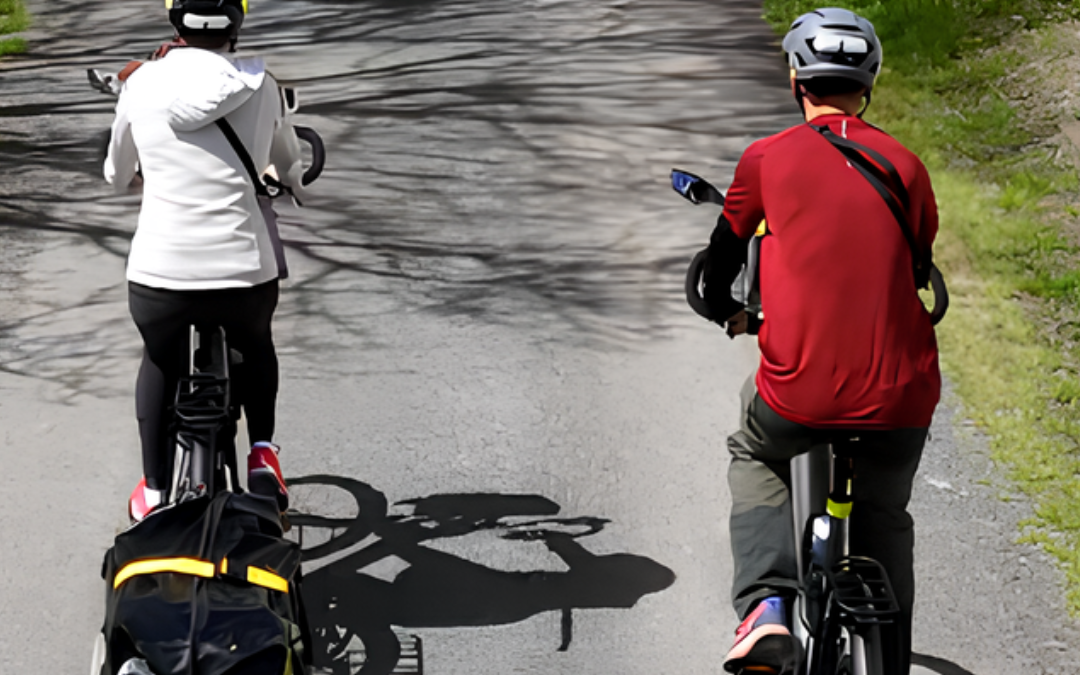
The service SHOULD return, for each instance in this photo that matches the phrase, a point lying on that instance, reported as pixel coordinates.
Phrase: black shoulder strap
(880, 167)
(249, 164)
(886, 181)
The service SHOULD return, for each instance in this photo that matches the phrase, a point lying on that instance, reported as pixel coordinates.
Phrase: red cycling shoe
(143, 500)
(264, 474)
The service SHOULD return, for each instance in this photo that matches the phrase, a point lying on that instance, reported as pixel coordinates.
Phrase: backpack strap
(886, 181)
(241, 151)
(880, 167)
(262, 193)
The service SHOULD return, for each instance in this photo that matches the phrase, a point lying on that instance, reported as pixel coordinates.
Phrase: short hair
(831, 86)
(206, 40)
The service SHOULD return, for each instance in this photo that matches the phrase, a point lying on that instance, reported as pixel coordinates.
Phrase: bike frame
(204, 418)
(844, 601)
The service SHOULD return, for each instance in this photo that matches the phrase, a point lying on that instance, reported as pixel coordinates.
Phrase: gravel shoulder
(984, 601)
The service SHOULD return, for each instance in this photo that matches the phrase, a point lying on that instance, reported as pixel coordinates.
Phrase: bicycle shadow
(376, 572)
(938, 665)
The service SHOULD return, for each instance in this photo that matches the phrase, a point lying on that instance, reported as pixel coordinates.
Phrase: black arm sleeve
(726, 257)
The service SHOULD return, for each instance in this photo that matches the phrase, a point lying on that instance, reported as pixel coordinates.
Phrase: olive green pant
(762, 529)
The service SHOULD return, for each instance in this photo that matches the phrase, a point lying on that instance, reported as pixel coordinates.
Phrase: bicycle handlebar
(697, 303)
(109, 84)
(941, 296)
(318, 153)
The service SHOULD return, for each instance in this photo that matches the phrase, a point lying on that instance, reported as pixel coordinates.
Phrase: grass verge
(973, 87)
(13, 18)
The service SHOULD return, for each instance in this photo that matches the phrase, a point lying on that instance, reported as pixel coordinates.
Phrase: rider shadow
(373, 572)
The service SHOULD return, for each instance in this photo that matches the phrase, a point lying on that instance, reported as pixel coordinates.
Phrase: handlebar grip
(318, 153)
(941, 295)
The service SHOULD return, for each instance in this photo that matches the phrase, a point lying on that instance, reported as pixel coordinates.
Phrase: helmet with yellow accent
(210, 18)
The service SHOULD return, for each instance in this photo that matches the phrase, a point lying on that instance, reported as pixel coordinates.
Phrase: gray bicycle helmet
(835, 43)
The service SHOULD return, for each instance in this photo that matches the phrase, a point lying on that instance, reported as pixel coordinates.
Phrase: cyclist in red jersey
(845, 341)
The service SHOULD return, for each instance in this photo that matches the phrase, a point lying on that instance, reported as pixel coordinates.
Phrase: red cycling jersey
(846, 342)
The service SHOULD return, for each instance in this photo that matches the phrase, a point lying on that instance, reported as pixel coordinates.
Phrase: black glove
(725, 258)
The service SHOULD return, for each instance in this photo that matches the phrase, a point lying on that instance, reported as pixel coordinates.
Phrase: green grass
(13, 18)
(1008, 242)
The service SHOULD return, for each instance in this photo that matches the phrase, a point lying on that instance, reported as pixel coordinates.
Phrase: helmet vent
(833, 43)
(197, 22)
(841, 49)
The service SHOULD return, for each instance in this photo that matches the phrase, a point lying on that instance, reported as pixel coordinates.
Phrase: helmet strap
(799, 96)
(865, 105)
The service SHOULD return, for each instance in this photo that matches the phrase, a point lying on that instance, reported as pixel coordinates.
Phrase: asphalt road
(484, 312)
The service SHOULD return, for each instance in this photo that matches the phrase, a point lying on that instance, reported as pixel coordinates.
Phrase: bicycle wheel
(865, 652)
(844, 667)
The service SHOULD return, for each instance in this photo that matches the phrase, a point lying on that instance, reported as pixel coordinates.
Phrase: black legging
(163, 317)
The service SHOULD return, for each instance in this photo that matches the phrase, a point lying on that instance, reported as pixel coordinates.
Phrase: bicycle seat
(850, 443)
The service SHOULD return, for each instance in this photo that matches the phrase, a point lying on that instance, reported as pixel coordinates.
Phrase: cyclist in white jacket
(202, 251)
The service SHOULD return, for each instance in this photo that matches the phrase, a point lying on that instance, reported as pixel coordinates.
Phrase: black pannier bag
(205, 587)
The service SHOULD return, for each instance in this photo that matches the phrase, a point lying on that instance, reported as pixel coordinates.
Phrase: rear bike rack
(202, 416)
(845, 602)
(202, 401)
(863, 593)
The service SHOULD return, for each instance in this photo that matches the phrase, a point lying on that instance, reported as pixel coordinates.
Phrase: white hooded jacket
(200, 226)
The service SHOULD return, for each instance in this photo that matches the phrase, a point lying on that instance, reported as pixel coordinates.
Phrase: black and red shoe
(143, 500)
(264, 474)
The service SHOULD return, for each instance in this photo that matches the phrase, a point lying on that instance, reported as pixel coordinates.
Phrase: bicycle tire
(865, 650)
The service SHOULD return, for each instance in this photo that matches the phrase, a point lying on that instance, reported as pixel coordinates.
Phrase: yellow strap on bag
(192, 566)
(267, 579)
(197, 568)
